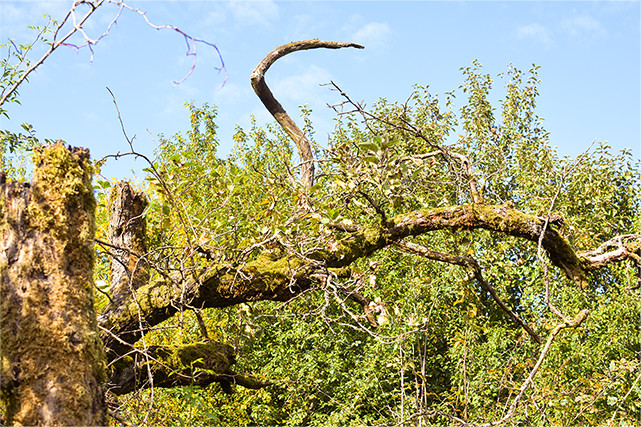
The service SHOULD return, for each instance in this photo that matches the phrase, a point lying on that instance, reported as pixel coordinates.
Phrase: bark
(127, 248)
(266, 278)
(52, 357)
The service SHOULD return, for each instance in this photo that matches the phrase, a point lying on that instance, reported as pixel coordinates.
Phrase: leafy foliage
(434, 344)
(15, 148)
(441, 345)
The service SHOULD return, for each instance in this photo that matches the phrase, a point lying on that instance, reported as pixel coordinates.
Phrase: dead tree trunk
(53, 367)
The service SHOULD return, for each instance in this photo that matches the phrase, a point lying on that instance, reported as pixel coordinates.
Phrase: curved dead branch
(277, 110)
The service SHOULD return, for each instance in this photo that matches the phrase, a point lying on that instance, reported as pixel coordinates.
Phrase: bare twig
(614, 414)
(472, 264)
(54, 44)
(187, 226)
(379, 210)
(77, 28)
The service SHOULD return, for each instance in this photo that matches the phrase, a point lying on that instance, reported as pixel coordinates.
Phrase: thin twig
(472, 264)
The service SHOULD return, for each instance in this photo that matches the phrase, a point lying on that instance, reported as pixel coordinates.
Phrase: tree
(449, 270)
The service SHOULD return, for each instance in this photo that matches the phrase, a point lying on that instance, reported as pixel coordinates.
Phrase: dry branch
(277, 110)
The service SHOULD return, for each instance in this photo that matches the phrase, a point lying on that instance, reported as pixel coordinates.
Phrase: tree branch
(574, 323)
(279, 276)
(189, 364)
(621, 247)
(472, 264)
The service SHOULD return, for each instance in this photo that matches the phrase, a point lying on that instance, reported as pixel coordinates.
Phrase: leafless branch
(77, 23)
(276, 109)
(612, 250)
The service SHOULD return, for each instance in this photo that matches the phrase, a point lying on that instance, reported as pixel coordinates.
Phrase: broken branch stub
(279, 113)
(127, 229)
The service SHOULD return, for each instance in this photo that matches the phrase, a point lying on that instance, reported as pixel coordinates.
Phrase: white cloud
(583, 25)
(16, 16)
(231, 94)
(373, 34)
(247, 12)
(214, 18)
(302, 88)
(536, 32)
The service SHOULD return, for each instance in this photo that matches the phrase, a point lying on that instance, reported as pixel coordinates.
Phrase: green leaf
(104, 184)
(371, 159)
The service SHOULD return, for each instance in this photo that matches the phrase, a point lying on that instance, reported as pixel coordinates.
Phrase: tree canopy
(436, 262)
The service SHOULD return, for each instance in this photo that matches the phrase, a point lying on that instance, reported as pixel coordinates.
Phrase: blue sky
(589, 53)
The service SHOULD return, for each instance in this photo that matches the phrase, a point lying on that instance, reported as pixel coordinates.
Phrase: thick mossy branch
(265, 278)
(278, 277)
(190, 364)
(500, 218)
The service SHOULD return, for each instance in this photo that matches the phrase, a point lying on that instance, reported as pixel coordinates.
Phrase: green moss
(156, 294)
(270, 272)
(63, 179)
(188, 359)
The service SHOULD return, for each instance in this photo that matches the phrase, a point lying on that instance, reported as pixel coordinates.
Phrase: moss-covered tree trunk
(53, 368)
